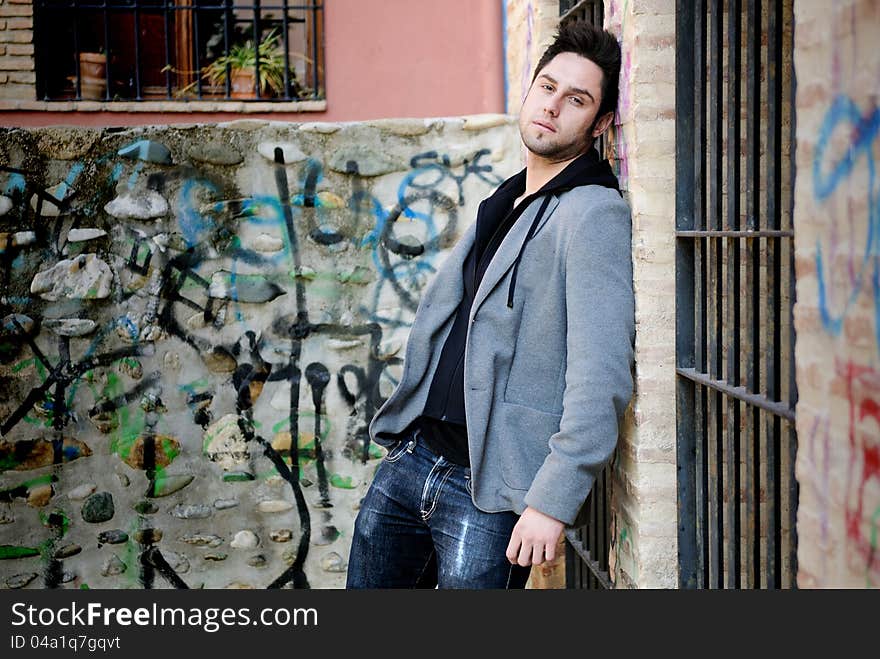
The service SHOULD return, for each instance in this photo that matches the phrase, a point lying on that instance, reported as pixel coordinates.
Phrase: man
(518, 365)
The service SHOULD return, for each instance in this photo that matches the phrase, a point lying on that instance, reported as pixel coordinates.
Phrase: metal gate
(736, 442)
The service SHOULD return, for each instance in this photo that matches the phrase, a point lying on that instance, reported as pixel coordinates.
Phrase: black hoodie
(443, 423)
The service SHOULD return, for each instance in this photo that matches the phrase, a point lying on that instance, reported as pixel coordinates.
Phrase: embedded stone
(6, 517)
(403, 127)
(245, 540)
(333, 562)
(20, 580)
(196, 511)
(27, 454)
(219, 360)
(40, 496)
(60, 191)
(274, 506)
(281, 535)
(367, 161)
(147, 151)
(85, 277)
(81, 491)
(17, 239)
(326, 536)
(22, 238)
(141, 205)
(223, 504)
(225, 444)
(98, 508)
(67, 551)
(124, 480)
(81, 235)
(202, 540)
(146, 508)
(148, 536)
(289, 556)
(178, 562)
(112, 537)
(484, 121)
(215, 153)
(321, 127)
(238, 476)
(70, 326)
(258, 560)
(131, 367)
(290, 152)
(67, 577)
(266, 243)
(215, 556)
(113, 566)
(243, 288)
(13, 551)
(5, 204)
(305, 272)
(343, 344)
(162, 486)
(151, 451)
(12, 322)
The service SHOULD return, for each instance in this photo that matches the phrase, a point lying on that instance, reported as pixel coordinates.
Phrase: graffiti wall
(198, 324)
(837, 315)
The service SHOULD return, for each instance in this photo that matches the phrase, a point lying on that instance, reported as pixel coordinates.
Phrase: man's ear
(602, 124)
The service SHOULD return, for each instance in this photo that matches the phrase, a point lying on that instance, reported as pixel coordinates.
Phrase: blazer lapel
(509, 248)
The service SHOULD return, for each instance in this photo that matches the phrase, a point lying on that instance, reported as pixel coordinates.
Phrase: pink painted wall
(383, 58)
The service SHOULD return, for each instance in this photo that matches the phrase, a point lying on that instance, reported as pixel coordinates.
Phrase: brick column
(644, 549)
(17, 76)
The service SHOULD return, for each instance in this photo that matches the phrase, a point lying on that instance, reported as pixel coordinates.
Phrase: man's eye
(576, 100)
(549, 88)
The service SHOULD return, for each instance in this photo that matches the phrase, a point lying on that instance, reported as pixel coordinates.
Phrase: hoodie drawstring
(522, 249)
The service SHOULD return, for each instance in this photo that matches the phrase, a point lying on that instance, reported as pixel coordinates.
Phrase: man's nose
(551, 105)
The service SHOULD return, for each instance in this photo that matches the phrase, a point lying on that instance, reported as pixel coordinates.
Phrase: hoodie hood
(586, 169)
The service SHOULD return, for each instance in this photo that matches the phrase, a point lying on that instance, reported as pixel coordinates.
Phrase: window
(187, 50)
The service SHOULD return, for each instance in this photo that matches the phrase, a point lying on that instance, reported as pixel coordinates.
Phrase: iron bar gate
(587, 548)
(736, 442)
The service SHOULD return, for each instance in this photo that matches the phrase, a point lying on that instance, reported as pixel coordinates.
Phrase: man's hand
(534, 538)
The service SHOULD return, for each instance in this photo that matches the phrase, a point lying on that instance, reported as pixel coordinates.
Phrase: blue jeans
(419, 528)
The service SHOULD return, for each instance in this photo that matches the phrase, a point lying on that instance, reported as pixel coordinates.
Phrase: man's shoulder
(585, 203)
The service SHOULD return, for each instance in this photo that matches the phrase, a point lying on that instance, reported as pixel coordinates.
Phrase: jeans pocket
(396, 451)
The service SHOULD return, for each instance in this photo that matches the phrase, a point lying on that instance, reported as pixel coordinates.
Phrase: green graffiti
(13, 551)
(344, 483)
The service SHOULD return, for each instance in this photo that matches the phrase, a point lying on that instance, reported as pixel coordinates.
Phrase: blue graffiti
(826, 180)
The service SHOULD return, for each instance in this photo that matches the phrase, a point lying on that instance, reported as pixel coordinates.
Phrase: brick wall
(16, 49)
(836, 315)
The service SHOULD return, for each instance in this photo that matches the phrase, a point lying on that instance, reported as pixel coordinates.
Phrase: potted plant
(241, 61)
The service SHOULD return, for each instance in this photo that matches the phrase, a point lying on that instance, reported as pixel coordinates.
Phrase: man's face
(557, 117)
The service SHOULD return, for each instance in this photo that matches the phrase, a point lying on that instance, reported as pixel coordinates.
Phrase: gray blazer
(547, 381)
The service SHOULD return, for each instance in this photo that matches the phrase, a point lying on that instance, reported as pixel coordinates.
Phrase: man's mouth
(545, 126)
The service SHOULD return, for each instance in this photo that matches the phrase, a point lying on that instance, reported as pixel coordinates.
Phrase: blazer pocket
(525, 433)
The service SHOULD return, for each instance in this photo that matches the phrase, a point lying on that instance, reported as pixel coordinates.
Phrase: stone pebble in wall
(192, 511)
(81, 235)
(112, 537)
(28, 454)
(98, 508)
(215, 153)
(70, 326)
(245, 539)
(85, 277)
(225, 444)
(141, 205)
(20, 580)
(147, 151)
(113, 566)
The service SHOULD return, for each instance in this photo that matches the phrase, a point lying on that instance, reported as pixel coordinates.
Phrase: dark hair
(597, 45)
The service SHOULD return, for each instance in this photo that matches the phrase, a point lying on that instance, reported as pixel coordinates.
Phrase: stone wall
(838, 290)
(178, 304)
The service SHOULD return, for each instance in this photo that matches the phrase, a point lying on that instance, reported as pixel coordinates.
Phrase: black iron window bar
(52, 14)
(736, 391)
(587, 548)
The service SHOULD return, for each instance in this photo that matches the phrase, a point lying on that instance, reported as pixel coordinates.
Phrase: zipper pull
(410, 446)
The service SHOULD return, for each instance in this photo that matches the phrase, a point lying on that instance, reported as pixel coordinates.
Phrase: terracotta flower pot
(93, 65)
(243, 83)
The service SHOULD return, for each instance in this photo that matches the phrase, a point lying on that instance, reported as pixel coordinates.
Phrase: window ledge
(250, 107)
